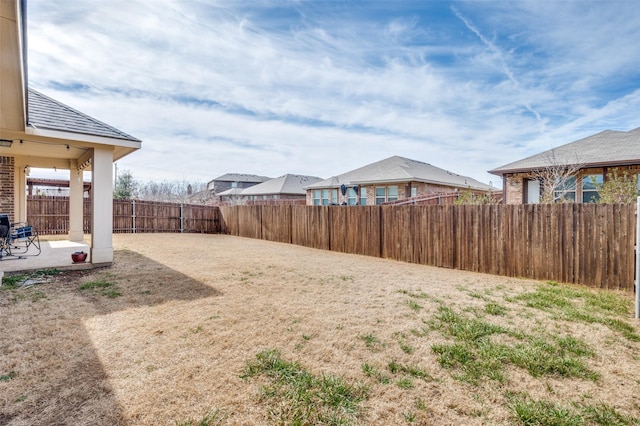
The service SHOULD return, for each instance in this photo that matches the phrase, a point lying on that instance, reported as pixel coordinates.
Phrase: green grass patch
(582, 305)
(49, 271)
(495, 309)
(406, 348)
(371, 341)
(12, 281)
(552, 356)
(603, 414)
(295, 396)
(474, 354)
(533, 413)
(411, 370)
(92, 285)
(527, 411)
(410, 416)
(421, 405)
(8, 377)
(414, 306)
(106, 288)
(452, 324)
(405, 383)
(371, 371)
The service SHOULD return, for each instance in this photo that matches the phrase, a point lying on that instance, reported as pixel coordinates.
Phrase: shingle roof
(47, 113)
(238, 177)
(400, 169)
(287, 184)
(605, 148)
(232, 191)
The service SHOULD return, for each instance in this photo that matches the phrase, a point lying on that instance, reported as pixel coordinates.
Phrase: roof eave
(502, 172)
(83, 137)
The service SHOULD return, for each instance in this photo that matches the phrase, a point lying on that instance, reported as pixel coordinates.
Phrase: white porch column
(76, 198)
(102, 206)
(20, 190)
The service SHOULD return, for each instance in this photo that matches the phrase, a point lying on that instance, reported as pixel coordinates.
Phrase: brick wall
(514, 189)
(515, 182)
(7, 167)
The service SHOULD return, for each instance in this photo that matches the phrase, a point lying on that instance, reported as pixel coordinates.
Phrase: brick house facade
(593, 158)
(7, 174)
(516, 188)
(395, 178)
(367, 193)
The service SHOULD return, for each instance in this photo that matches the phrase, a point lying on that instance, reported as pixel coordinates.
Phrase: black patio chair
(17, 241)
(5, 232)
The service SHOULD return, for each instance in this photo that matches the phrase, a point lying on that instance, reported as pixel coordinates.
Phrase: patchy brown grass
(168, 333)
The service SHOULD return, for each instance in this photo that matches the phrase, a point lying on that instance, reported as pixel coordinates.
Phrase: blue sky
(323, 87)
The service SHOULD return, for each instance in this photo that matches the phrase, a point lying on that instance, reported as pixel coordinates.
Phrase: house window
(234, 184)
(380, 195)
(334, 196)
(325, 197)
(316, 197)
(352, 197)
(532, 191)
(566, 191)
(392, 193)
(590, 185)
(363, 196)
(414, 192)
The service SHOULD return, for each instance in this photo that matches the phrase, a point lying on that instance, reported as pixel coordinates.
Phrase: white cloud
(321, 88)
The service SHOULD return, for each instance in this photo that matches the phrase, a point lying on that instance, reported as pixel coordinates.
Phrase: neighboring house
(232, 181)
(394, 178)
(592, 158)
(37, 131)
(287, 187)
(229, 196)
(284, 188)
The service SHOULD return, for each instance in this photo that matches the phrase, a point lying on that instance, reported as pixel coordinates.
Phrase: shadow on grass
(50, 371)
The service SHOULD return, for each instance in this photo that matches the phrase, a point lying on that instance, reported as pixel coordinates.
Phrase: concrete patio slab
(54, 254)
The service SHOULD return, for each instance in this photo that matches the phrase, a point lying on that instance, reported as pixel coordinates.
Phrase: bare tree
(558, 177)
(175, 192)
(168, 191)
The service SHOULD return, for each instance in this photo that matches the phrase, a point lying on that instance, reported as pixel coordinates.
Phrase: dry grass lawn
(167, 335)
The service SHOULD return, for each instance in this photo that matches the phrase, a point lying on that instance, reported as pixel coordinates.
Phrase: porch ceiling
(47, 148)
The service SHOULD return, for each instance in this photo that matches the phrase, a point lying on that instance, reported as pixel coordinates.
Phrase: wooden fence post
(133, 216)
(181, 218)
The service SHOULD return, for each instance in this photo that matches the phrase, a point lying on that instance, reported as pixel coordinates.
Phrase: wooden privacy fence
(589, 244)
(50, 215)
